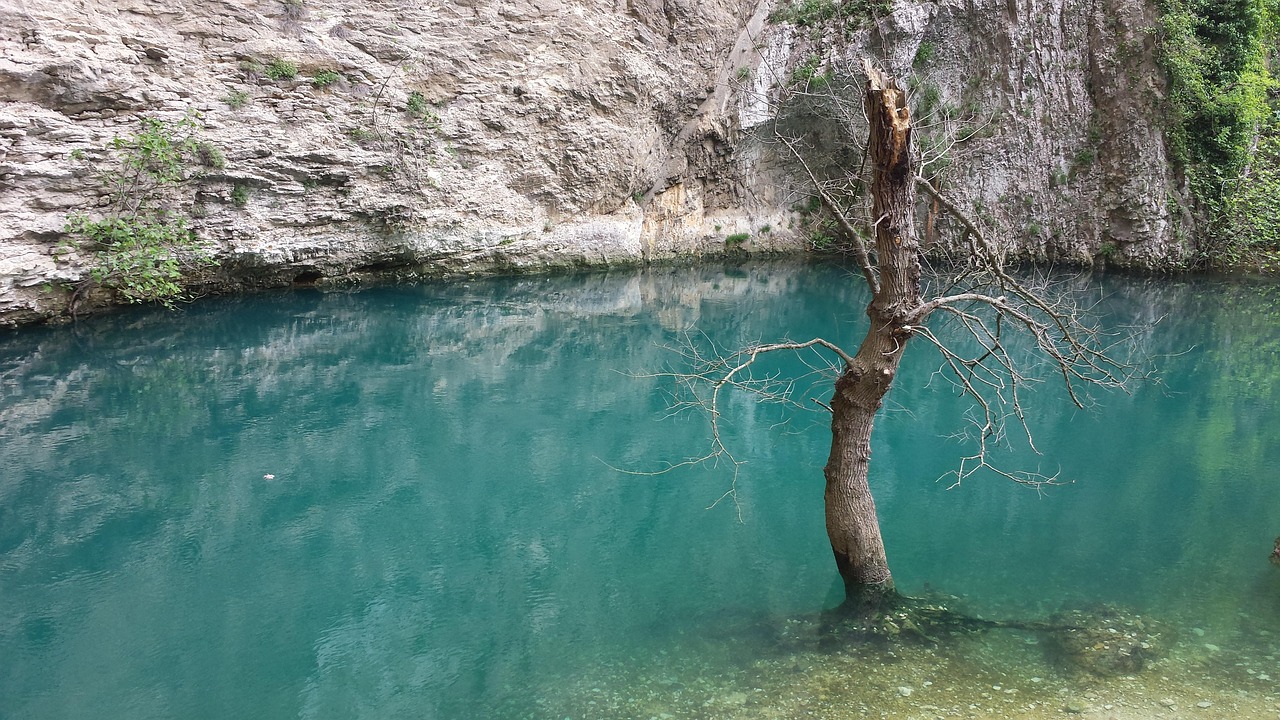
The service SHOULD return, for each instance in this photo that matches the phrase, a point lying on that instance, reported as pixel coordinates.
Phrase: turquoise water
(403, 502)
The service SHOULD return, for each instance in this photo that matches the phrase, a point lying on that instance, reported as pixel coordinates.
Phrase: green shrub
(135, 255)
(850, 14)
(1215, 53)
(820, 239)
(1083, 158)
(236, 99)
(925, 54)
(1254, 206)
(736, 239)
(210, 155)
(324, 79)
(279, 69)
(927, 100)
(418, 107)
(416, 104)
(806, 75)
(140, 245)
(252, 70)
(361, 136)
(240, 195)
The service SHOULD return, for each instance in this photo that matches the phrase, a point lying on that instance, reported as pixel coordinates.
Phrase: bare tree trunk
(852, 525)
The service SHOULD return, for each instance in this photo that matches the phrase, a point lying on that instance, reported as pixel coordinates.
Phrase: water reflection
(441, 525)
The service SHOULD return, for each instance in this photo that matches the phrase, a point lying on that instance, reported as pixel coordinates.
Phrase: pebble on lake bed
(1075, 706)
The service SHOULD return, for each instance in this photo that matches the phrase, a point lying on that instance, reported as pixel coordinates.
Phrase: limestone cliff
(481, 135)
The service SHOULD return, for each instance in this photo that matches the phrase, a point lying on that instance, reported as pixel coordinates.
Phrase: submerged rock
(1107, 641)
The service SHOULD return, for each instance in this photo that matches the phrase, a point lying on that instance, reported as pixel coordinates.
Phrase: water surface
(405, 502)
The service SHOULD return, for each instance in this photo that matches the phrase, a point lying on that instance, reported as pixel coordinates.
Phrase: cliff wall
(483, 135)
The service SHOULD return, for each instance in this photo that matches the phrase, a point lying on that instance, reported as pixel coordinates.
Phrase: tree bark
(852, 525)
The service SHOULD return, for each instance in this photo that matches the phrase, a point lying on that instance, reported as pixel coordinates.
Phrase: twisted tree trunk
(852, 525)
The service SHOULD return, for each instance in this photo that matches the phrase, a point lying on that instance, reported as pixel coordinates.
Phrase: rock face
(483, 135)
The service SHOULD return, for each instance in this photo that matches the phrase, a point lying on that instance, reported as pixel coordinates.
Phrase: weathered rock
(1107, 640)
(549, 132)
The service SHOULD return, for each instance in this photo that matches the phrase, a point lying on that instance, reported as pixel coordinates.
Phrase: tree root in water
(1103, 640)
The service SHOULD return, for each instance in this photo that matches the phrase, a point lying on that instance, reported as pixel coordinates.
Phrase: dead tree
(982, 296)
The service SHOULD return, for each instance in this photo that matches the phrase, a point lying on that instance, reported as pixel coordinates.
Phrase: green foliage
(1108, 250)
(1083, 158)
(1254, 207)
(252, 69)
(743, 73)
(236, 99)
(135, 255)
(361, 136)
(141, 243)
(324, 79)
(809, 206)
(279, 69)
(823, 236)
(927, 100)
(416, 104)
(925, 54)
(210, 155)
(418, 107)
(806, 75)
(736, 240)
(1216, 55)
(849, 14)
(240, 195)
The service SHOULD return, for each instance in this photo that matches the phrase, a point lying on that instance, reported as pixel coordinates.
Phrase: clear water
(402, 502)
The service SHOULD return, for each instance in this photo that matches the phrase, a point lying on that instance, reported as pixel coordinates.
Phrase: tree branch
(859, 246)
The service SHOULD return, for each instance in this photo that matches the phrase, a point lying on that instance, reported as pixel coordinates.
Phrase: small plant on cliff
(210, 155)
(252, 70)
(418, 107)
(140, 244)
(279, 69)
(324, 79)
(416, 104)
(293, 14)
(925, 54)
(736, 240)
(806, 76)
(240, 195)
(236, 99)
